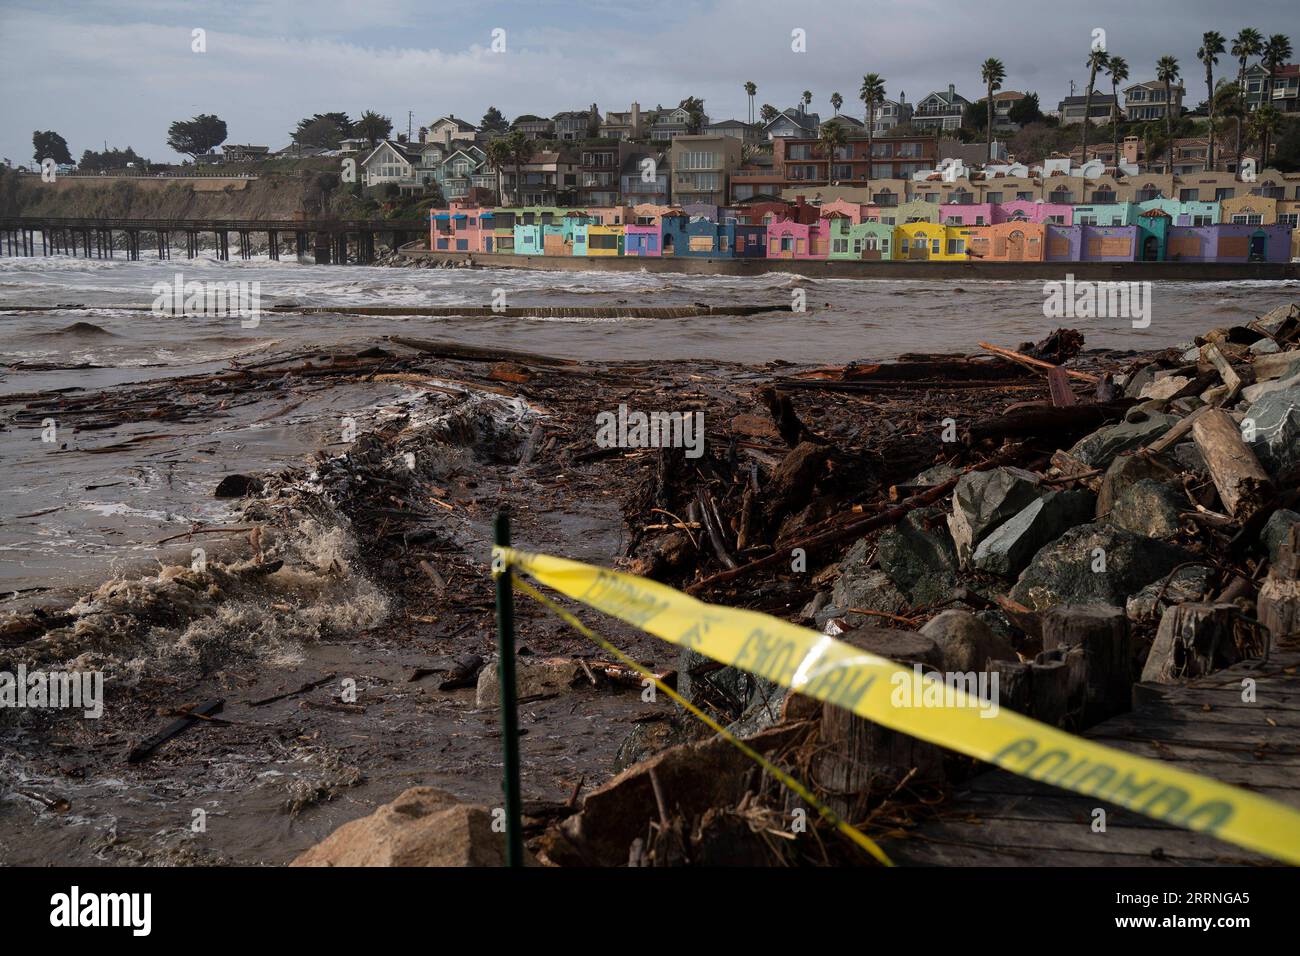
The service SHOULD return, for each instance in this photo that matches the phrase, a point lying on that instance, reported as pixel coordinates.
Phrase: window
(993, 197)
(1288, 219)
(839, 245)
(1056, 220)
(841, 171)
(1061, 196)
(932, 197)
(857, 246)
(1103, 195)
(1147, 193)
(1189, 195)
(956, 247)
(1223, 193)
(1247, 219)
(1024, 197)
(936, 246)
(905, 243)
(1086, 220)
(787, 244)
(1202, 220)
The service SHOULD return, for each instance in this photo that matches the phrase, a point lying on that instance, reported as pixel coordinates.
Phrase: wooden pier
(339, 241)
(1203, 727)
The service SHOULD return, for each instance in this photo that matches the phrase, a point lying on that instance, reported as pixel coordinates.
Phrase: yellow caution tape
(881, 691)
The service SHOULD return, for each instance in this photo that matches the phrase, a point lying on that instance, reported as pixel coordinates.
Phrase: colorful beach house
(859, 241)
(930, 240)
(1107, 214)
(1007, 242)
(787, 239)
(1091, 243)
(604, 240)
(698, 237)
(1032, 210)
(1226, 242)
(461, 228)
(642, 240)
(966, 214)
(1183, 213)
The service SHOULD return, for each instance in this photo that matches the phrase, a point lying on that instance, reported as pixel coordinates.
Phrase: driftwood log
(1279, 595)
(1242, 483)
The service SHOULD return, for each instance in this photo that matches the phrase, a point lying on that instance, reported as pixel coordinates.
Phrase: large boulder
(1121, 473)
(533, 676)
(967, 643)
(1097, 449)
(918, 547)
(1149, 508)
(983, 500)
(1276, 531)
(860, 585)
(1094, 564)
(1013, 544)
(422, 827)
(1276, 439)
(1188, 583)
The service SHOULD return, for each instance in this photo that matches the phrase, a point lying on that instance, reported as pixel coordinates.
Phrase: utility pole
(410, 114)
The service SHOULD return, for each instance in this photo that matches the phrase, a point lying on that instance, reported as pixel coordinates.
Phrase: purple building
(1229, 242)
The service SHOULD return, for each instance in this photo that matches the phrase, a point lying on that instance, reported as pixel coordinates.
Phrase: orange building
(1006, 241)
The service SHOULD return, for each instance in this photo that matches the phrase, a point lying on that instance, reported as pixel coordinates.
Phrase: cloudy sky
(119, 71)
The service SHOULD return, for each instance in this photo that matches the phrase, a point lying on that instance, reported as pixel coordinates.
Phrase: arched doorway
(668, 244)
(1150, 249)
(1016, 246)
(1258, 247)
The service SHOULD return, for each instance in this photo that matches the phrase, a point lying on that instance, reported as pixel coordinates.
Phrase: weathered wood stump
(1094, 642)
(1196, 639)
(1279, 595)
(858, 759)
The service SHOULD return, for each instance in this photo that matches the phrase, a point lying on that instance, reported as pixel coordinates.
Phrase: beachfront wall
(967, 214)
(642, 241)
(1106, 214)
(1183, 213)
(604, 240)
(788, 239)
(1024, 210)
(1229, 243)
(859, 241)
(1007, 242)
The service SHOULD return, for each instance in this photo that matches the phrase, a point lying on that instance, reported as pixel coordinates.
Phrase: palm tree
(1277, 50)
(1264, 122)
(750, 91)
(498, 155)
(872, 95)
(829, 139)
(1117, 70)
(1096, 61)
(1167, 73)
(992, 72)
(1247, 43)
(807, 99)
(836, 102)
(1211, 46)
(521, 151)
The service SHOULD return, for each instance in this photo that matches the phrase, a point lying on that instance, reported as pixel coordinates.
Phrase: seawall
(850, 269)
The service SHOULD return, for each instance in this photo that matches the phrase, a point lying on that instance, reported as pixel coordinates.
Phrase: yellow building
(1249, 210)
(930, 241)
(605, 240)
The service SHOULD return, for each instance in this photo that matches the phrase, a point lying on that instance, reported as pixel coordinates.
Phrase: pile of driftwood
(1073, 529)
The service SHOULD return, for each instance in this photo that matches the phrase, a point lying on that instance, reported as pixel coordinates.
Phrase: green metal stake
(509, 715)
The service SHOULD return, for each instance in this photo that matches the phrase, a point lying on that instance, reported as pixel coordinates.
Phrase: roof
(733, 124)
(843, 119)
(460, 124)
(807, 121)
(1098, 99)
(1008, 95)
(1153, 85)
(406, 152)
(948, 97)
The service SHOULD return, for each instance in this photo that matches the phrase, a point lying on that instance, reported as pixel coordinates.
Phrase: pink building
(642, 240)
(460, 228)
(1028, 210)
(967, 214)
(852, 211)
(787, 239)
